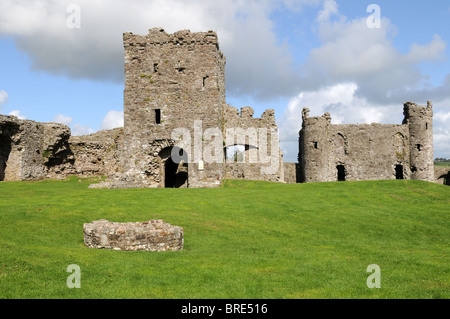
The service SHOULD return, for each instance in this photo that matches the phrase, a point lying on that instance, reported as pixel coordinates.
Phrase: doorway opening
(174, 167)
(5, 150)
(399, 172)
(340, 173)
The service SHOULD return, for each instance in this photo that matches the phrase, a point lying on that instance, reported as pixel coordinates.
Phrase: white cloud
(430, 52)
(18, 114)
(112, 120)
(63, 119)
(95, 50)
(79, 129)
(442, 117)
(3, 98)
(329, 8)
(352, 52)
(441, 139)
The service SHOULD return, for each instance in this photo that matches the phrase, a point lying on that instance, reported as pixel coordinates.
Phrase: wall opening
(5, 150)
(446, 178)
(340, 173)
(235, 153)
(418, 147)
(158, 116)
(316, 145)
(155, 67)
(240, 153)
(204, 80)
(175, 167)
(399, 172)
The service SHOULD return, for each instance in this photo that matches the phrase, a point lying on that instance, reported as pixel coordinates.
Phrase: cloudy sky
(359, 60)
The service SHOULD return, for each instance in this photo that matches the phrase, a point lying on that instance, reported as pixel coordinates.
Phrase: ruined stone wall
(419, 120)
(153, 235)
(263, 159)
(291, 171)
(31, 150)
(330, 152)
(98, 154)
(171, 80)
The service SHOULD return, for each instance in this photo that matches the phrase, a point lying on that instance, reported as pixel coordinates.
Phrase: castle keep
(179, 132)
(174, 106)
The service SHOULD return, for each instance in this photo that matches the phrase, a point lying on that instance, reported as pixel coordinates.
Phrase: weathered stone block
(153, 235)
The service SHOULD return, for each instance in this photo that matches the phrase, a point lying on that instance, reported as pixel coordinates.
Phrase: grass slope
(442, 164)
(243, 240)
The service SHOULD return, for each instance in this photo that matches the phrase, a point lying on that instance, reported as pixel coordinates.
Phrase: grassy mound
(243, 240)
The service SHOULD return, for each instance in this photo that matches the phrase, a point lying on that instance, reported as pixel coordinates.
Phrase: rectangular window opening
(204, 80)
(158, 116)
(418, 147)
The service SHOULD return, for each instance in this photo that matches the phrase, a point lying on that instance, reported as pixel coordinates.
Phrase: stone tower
(313, 148)
(177, 125)
(171, 81)
(419, 120)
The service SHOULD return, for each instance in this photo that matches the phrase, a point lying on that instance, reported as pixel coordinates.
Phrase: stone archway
(5, 150)
(173, 168)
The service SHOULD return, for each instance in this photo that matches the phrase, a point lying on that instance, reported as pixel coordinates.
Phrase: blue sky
(281, 54)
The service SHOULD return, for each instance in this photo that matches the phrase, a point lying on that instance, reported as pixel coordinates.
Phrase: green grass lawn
(243, 240)
(442, 164)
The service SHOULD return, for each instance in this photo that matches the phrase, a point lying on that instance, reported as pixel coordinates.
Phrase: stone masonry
(31, 150)
(153, 235)
(175, 94)
(97, 154)
(352, 152)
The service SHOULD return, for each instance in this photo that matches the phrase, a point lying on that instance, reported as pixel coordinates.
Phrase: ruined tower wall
(171, 80)
(32, 150)
(314, 148)
(419, 120)
(263, 159)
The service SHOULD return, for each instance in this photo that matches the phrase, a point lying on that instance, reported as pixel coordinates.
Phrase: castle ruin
(177, 125)
(178, 130)
(350, 152)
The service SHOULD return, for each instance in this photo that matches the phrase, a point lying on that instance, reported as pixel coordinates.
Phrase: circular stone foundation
(154, 235)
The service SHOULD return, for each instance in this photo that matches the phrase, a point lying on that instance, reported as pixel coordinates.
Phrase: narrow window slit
(158, 116)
